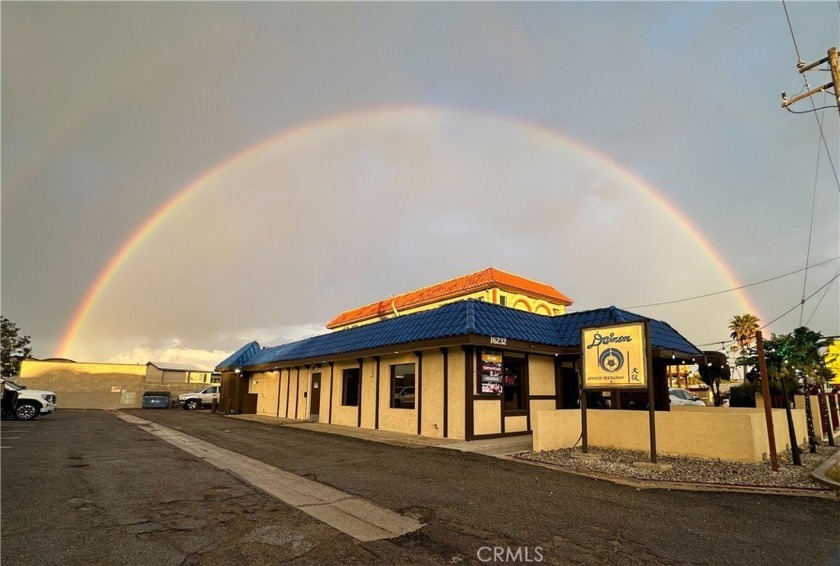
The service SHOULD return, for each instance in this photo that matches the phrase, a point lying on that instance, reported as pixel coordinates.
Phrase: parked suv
(203, 398)
(30, 402)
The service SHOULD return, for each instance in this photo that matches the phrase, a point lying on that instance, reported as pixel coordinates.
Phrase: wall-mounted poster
(491, 372)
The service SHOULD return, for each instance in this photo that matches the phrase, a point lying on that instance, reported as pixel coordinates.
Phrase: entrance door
(513, 386)
(315, 398)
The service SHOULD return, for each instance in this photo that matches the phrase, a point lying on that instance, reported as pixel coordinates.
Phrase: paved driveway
(467, 501)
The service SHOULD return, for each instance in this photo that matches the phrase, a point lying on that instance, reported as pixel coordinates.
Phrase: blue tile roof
(461, 318)
(240, 357)
(662, 334)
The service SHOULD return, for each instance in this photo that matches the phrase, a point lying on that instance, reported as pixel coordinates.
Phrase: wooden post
(651, 395)
(765, 393)
(834, 65)
(794, 443)
(583, 436)
(824, 415)
(583, 433)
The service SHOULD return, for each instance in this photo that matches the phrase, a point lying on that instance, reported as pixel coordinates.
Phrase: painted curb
(819, 473)
(686, 486)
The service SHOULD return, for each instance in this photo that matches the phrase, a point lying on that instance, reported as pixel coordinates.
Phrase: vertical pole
(809, 417)
(651, 396)
(794, 443)
(825, 417)
(834, 65)
(583, 435)
(765, 393)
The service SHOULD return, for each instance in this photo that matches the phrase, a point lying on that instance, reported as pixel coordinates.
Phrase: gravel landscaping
(620, 463)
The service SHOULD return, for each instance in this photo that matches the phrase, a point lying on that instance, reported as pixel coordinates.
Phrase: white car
(31, 402)
(203, 398)
(683, 397)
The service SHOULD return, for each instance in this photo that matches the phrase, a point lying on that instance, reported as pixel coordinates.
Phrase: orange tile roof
(484, 279)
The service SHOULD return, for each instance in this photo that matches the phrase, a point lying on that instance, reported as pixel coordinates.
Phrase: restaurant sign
(615, 357)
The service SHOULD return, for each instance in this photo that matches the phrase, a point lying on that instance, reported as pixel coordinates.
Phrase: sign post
(617, 357)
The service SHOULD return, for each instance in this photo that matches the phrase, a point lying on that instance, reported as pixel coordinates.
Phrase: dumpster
(155, 400)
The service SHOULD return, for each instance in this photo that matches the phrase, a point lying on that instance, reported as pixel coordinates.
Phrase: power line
(793, 308)
(810, 228)
(807, 111)
(733, 288)
(816, 308)
(825, 144)
(784, 314)
(801, 65)
(790, 27)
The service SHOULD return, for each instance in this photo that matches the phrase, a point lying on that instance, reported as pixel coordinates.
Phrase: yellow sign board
(615, 357)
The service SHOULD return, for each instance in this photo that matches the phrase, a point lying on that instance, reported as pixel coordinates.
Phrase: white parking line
(354, 516)
(10, 437)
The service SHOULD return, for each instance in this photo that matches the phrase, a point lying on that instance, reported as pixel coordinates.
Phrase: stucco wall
(799, 402)
(343, 415)
(541, 375)
(457, 394)
(397, 419)
(432, 414)
(487, 419)
(542, 405)
(704, 433)
(265, 385)
(516, 424)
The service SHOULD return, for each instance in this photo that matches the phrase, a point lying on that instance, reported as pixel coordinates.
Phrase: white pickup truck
(30, 402)
(203, 398)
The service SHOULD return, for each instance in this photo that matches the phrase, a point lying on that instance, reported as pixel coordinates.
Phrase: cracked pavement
(88, 488)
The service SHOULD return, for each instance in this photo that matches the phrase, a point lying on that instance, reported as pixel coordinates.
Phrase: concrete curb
(686, 486)
(819, 473)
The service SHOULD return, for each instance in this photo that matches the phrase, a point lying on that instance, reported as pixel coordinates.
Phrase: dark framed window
(512, 386)
(350, 387)
(403, 382)
(502, 300)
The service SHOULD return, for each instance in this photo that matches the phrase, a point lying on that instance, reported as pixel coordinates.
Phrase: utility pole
(765, 393)
(834, 66)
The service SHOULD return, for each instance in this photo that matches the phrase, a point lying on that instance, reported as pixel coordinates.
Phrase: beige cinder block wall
(80, 385)
(728, 435)
(86, 386)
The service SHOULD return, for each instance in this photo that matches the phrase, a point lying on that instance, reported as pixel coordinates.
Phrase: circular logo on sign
(611, 360)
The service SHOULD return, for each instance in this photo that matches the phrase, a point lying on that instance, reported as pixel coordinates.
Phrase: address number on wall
(496, 341)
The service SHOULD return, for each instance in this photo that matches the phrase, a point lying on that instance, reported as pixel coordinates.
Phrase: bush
(743, 395)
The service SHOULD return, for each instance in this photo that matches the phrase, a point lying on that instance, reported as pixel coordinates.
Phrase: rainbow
(340, 122)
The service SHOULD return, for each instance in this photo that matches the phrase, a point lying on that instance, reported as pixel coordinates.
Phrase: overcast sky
(398, 145)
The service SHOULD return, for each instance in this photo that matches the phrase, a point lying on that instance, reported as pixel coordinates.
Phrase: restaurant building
(470, 368)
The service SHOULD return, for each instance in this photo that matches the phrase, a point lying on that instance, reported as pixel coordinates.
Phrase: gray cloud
(108, 109)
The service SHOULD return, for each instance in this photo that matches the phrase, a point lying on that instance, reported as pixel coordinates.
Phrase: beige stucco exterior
(541, 375)
(463, 413)
(434, 414)
(495, 295)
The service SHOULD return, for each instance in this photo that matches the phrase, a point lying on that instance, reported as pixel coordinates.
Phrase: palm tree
(743, 327)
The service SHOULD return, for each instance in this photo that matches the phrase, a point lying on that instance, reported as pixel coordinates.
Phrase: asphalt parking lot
(108, 492)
